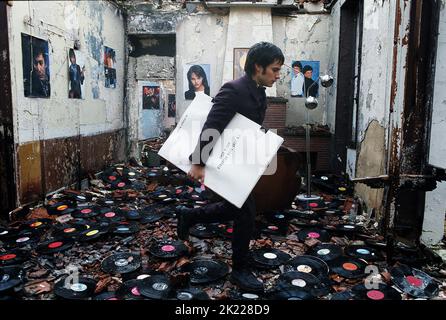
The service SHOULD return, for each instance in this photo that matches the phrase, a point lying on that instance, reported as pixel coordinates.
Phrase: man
(311, 87)
(76, 77)
(297, 80)
(246, 96)
(40, 84)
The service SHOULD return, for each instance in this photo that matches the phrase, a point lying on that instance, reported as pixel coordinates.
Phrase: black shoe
(184, 223)
(245, 280)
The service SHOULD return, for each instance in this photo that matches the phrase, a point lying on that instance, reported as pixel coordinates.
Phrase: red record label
(350, 266)
(86, 211)
(121, 184)
(55, 244)
(69, 230)
(6, 257)
(273, 228)
(135, 291)
(168, 248)
(375, 295)
(111, 178)
(313, 205)
(229, 230)
(110, 214)
(414, 281)
(314, 235)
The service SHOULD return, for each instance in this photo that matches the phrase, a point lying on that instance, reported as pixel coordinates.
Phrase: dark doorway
(348, 80)
(7, 172)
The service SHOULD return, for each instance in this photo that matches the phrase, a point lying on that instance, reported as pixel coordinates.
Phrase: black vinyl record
(205, 270)
(155, 287)
(37, 224)
(381, 292)
(151, 217)
(296, 279)
(291, 294)
(132, 214)
(10, 277)
(129, 290)
(7, 233)
(348, 267)
(269, 257)
(204, 230)
(70, 230)
(91, 234)
(54, 246)
(309, 264)
(326, 251)
(23, 239)
(110, 215)
(121, 263)
(12, 257)
(86, 212)
(81, 288)
(363, 252)
(60, 208)
(191, 294)
(313, 233)
(347, 229)
(168, 249)
(274, 229)
(125, 228)
(226, 230)
(107, 296)
(414, 282)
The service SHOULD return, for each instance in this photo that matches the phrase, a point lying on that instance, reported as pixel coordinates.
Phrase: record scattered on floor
(326, 251)
(226, 230)
(235, 295)
(380, 245)
(313, 233)
(12, 257)
(414, 282)
(23, 239)
(124, 228)
(132, 214)
(54, 246)
(309, 264)
(10, 277)
(296, 279)
(167, 249)
(107, 296)
(274, 229)
(155, 287)
(151, 217)
(301, 214)
(343, 295)
(91, 234)
(129, 290)
(348, 267)
(191, 294)
(121, 263)
(381, 292)
(70, 231)
(37, 224)
(291, 294)
(60, 208)
(6, 233)
(269, 257)
(204, 231)
(110, 215)
(206, 270)
(348, 228)
(363, 252)
(86, 212)
(72, 288)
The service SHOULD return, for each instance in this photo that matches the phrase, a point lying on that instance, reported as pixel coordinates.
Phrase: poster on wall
(171, 106)
(36, 67)
(239, 60)
(196, 79)
(151, 97)
(304, 77)
(76, 74)
(109, 67)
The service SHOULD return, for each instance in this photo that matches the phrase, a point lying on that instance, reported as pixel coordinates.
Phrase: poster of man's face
(172, 107)
(239, 62)
(150, 97)
(76, 74)
(196, 79)
(304, 78)
(36, 67)
(109, 67)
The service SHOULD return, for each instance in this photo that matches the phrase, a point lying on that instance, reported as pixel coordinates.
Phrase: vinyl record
(70, 230)
(301, 214)
(269, 257)
(129, 290)
(110, 215)
(309, 264)
(155, 287)
(10, 277)
(363, 252)
(54, 246)
(168, 249)
(86, 212)
(23, 239)
(204, 231)
(347, 229)
(414, 282)
(72, 288)
(107, 296)
(7, 233)
(205, 270)
(326, 251)
(12, 257)
(37, 224)
(191, 294)
(121, 184)
(291, 294)
(296, 280)
(348, 267)
(91, 234)
(125, 228)
(121, 263)
(382, 292)
(274, 229)
(313, 233)
(60, 208)
(226, 230)
(132, 214)
(151, 217)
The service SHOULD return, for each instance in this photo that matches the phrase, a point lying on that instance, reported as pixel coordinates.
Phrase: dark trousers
(243, 229)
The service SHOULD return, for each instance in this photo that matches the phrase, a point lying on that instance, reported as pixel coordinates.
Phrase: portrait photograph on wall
(76, 74)
(196, 79)
(109, 67)
(239, 60)
(150, 97)
(36, 67)
(171, 106)
(304, 77)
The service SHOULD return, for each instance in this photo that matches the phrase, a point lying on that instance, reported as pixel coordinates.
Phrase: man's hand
(196, 172)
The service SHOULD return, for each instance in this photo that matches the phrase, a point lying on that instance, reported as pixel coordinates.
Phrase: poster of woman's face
(150, 97)
(76, 74)
(304, 78)
(109, 67)
(239, 62)
(36, 67)
(196, 79)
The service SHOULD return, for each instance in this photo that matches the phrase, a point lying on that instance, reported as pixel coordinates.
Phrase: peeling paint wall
(94, 24)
